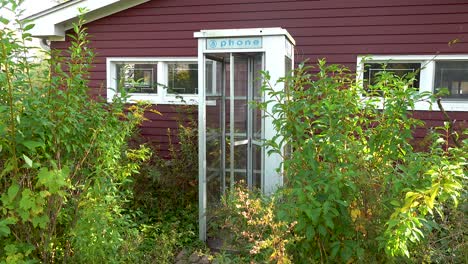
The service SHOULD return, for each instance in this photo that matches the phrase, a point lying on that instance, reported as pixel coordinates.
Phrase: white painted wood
(53, 22)
(426, 82)
(202, 200)
(162, 97)
(275, 65)
(244, 32)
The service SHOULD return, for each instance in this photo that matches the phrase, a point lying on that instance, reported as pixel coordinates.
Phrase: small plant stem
(450, 123)
(85, 156)
(27, 66)
(12, 111)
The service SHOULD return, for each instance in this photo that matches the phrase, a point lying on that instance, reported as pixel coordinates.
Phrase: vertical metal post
(249, 98)
(201, 143)
(223, 126)
(231, 120)
(262, 99)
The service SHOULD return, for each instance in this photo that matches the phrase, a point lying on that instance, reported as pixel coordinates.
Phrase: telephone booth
(231, 128)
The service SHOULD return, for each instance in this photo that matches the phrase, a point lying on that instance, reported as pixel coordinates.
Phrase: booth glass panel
(214, 79)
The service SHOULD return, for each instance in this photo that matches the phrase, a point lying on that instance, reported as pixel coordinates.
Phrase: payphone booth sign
(234, 43)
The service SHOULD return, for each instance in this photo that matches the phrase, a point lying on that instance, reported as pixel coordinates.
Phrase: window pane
(137, 77)
(209, 77)
(287, 66)
(452, 75)
(183, 78)
(402, 70)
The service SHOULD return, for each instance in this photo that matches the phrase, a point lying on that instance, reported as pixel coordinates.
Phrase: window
(137, 78)
(452, 75)
(183, 78)
(432, 73)
(157, 80)
(402, 70)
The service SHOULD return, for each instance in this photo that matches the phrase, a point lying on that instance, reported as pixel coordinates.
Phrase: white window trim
(162, 96)
(426, 82)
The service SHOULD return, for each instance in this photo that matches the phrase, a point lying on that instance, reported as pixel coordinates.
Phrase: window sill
(449, 105)
(168, 100)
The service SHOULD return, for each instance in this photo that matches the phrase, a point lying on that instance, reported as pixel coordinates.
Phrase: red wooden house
(153, 41)
(339, 31)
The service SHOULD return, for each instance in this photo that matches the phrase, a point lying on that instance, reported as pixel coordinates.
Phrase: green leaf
(40, 221)
(335, 247)
(329, 223)
(28, 27)
(395, 203)
(27, 200)
(32, 145)
(405, 251)
(322, 230)
(52, 180)
(310, 232)
(4, 20)
(12, 192)
(44, 194)
(24, 214)
(313, 214)
(26, 36)
(4, 228)
(8, 166)
(11, 249)
(28, 161)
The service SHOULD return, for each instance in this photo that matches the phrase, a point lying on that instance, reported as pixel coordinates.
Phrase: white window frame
(162, 96)
(427, 75)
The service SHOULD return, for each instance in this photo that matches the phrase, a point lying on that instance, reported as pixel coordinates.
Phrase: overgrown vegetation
(355, 189)
(249, 225)
(165, 192)
(72, 189)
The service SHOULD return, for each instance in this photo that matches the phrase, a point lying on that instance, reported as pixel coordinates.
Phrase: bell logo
(213, 44)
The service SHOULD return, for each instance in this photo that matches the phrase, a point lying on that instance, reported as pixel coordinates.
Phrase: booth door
(234, 133)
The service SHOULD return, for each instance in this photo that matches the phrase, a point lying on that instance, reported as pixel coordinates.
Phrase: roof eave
(54, 22)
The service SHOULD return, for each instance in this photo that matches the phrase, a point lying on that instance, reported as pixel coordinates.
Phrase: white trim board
(243, 32)
(53, 22)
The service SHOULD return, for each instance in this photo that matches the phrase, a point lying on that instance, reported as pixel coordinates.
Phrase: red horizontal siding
(298, 33)
(436, 119)
(311, 15)
(334, 29)
(318, 4)
(285, 7)
(197, 22)
(305, 41)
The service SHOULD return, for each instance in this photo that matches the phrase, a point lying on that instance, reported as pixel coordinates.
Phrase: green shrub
(355, 188)
(355, 185)
(72, 189)
(65, 165)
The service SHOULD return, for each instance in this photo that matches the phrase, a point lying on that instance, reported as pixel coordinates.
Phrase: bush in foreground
(355, 188)
(65, 166)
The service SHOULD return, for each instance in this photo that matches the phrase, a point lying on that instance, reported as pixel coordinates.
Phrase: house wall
(333, 29)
